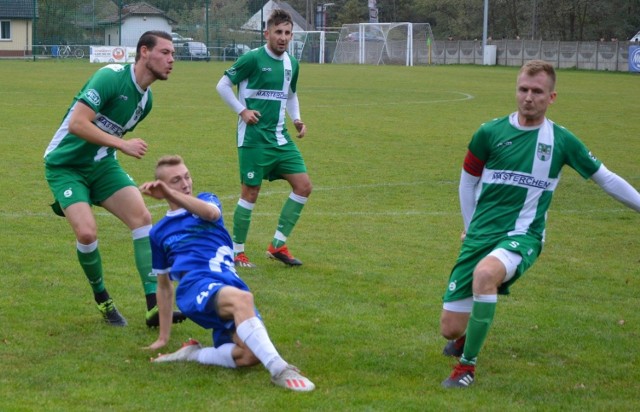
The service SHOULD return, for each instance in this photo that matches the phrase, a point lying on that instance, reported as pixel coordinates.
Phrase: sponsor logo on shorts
(452, 286)
(93, 96)
(251, 175)
(68, 193)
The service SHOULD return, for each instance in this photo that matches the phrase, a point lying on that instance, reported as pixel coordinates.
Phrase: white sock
(220, 356)
(255, 336)
(238, 248)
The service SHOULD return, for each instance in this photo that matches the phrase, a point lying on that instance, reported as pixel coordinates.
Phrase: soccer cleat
(152, 317)
(461, 377)
(241, 260)
(181, 354)
(290, 378)
(282, 254)
(454, 347)
(111, 314)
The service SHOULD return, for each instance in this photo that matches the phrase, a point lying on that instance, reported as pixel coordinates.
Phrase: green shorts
(92, 184)
(270, 163)
(460, 284)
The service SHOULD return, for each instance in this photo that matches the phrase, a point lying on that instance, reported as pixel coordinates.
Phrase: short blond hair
(533, 67)
(169, 160)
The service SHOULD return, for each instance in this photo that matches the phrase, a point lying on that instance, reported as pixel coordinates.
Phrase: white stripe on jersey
(286, 61)
(540, 172)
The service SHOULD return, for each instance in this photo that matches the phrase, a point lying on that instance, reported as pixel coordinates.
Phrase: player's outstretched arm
(617, 187)
(165, 311)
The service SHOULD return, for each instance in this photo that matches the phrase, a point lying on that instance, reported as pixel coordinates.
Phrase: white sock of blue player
(220, 356)
(253, 333)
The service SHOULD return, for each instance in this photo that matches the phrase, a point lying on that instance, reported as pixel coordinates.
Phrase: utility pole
(533, 20)
(120, 24)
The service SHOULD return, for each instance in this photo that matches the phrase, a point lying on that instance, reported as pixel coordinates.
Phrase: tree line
(564, 20)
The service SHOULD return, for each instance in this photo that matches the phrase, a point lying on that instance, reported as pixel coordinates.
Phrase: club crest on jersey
(544, 151)
(287, 74)
(93, 96)
(138, 113)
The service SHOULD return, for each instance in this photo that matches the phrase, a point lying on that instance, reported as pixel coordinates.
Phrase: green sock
(92, 266)
(288, 218)
(241, 221)
(142, 253)
(480, 321)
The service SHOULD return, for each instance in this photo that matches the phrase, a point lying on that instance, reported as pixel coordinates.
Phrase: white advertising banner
(112, 54)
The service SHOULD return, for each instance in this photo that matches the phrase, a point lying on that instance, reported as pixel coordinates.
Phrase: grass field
(378, 238)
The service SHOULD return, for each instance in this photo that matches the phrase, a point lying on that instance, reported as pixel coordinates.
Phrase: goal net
(312, 46)
(384, 43)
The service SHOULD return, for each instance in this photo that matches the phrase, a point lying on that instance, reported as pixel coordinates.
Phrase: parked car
(193, 50)
(233, 51)
(177, 38)
(368, 36)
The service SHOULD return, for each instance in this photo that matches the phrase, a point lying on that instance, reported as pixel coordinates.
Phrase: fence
(611, 56)
(68, 29)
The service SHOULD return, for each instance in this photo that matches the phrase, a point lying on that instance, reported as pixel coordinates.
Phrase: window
(5, 30)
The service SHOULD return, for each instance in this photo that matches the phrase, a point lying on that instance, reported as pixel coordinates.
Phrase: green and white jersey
(119, 103)
(264, 82)
(521, 171)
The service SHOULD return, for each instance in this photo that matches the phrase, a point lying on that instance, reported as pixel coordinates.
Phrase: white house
(254, 23)
(16, 27)
(137, 18)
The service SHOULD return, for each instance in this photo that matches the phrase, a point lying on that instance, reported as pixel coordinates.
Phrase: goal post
(384, 43)
(309, 46)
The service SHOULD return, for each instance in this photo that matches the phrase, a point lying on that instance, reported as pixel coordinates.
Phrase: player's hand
(250, 116)
(134, 147)
(156, 189)
(300, 127)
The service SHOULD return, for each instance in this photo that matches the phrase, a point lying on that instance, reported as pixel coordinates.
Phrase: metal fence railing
(68, 29)
(611, 56)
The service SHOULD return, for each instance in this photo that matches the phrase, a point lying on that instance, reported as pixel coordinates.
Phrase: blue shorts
(196, 298)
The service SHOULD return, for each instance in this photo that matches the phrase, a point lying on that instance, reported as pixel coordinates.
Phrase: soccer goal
(384, 43)
(310, 46)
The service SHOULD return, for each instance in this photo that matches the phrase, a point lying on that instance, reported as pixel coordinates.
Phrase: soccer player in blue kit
(191, 245)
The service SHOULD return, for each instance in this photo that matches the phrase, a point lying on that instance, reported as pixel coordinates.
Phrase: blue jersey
(182, 242)
(199, 255)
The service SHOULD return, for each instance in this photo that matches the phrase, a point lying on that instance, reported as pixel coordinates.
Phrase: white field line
(314, 211)
(464, 96)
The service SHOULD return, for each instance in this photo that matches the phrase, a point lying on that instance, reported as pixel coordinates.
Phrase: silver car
(192, 50)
